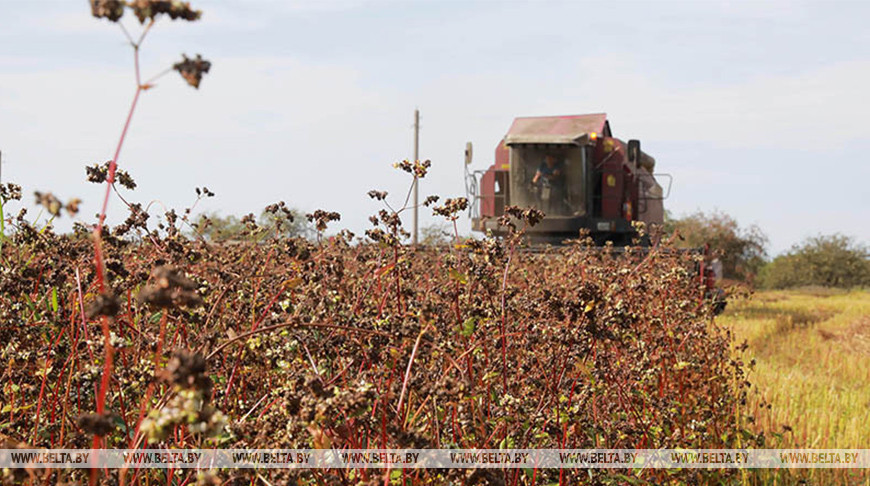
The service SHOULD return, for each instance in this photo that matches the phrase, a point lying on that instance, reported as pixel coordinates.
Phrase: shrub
(742, 249)
(825, 260)
(435, 235)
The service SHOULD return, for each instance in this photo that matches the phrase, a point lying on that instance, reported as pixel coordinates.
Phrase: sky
(756, 109)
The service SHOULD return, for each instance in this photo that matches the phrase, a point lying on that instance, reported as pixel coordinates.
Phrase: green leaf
(458, 277)
(468, 327)
(54, 300)
(681, 365)
(491, 375)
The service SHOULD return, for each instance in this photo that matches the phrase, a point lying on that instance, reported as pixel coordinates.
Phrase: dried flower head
(10, 192)
(187, 370)
(100, 173)
(192, 69)
(321, 218)
(144, 9)
(452, 207)
(105, 304)
(281, 207)
(95, 423)
(530, 216)
(379, 195)
(72, 206)
(175, 9)
(108, 9)
(51, 203)
(170, 288)
(417, 168)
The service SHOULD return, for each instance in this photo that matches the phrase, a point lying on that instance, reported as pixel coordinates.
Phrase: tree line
(833, 260)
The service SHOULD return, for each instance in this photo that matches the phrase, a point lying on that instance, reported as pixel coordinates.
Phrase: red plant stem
(150, 390)
(453, 426)
(66, 397)
(39, 400)
(98, 231)
(267, 407)
(107, 372)
(385, 406)
(504, 322)
(82, 311)
(408, 374)
(123, 407)
(399, 300)
(98, 252)
(57, 387)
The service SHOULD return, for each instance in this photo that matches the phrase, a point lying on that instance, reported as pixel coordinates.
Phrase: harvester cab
(576, 172)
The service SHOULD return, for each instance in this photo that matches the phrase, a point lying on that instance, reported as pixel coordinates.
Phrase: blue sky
(756, 109)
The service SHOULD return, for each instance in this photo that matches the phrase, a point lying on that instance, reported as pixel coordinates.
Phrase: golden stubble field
(811, 378)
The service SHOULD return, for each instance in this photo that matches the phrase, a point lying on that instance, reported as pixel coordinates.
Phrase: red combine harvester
(582, 178)
(576, 172)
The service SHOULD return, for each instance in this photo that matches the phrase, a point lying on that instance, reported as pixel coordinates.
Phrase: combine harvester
(601, 183)
(582, 178)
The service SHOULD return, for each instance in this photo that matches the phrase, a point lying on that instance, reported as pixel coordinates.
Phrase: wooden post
(416, 180)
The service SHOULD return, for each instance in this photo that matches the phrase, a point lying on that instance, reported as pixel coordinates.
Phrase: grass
(811, 379)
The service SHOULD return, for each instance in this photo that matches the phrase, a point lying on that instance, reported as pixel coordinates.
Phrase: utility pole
(416, 180)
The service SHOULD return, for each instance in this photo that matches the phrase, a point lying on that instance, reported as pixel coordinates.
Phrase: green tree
(270, 224)
(436, 235)
(826, 260)
(741, 250)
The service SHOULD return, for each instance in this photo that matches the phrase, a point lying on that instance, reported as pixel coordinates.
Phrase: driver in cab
(551, 171)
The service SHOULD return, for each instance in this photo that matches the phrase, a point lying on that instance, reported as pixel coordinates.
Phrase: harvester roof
(571, 129)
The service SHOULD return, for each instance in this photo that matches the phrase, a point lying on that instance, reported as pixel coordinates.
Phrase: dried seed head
(187, 370)
(379, 195)
(10, 192)
(95, 423)
(192, 69)
(100, 173)
(108, 9)
(49, 202)
(417, 168)
(169, 289)
(124, 178)
(72, 206)
(105, 304)
(175, 9)
(321, 218)
(452, 208)
(97, 173)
